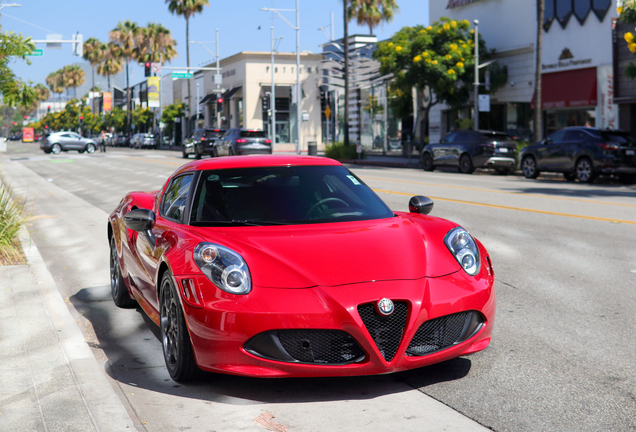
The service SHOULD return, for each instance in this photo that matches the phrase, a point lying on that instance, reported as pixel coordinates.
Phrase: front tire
(427, 162)
(121, 298)
(466, 164)
(529, 167)
(175, 340)
(197, 153)
(56, 149)
(584, 170)
(184, 155)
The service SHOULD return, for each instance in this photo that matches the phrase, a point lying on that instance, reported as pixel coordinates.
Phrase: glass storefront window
(559, 119)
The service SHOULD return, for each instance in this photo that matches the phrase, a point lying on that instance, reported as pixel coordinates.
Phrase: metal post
(298, 88)
(476, 84)
(331, 26)
(272, 98)
(218, 71)
(386, 119)
(198, 107)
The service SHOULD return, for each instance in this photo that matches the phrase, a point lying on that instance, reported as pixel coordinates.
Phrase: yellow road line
(516, 208)
(503, 192)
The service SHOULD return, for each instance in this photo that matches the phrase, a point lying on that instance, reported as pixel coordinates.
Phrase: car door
(75, 141)
(151, 245)
(224, 143)
(65, 140)
(572, 145)
(549, 151)
(442, 152)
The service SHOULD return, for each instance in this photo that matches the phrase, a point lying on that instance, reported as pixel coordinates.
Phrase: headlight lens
(464, 249)
(224, 267)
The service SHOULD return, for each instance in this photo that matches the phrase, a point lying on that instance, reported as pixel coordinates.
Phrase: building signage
(153, 92)
(27, 134)
(608, 118)
(566, 60)
(107, 100)
(457, 3)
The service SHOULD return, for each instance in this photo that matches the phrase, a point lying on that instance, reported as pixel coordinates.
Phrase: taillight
(268, 141)
(609, 146)
(241, 141)
(202, 138)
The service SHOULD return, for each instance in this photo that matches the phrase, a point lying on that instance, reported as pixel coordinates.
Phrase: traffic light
(219, 104)
(323, 100)
(81, 119)
(266, 102)
(147, 69)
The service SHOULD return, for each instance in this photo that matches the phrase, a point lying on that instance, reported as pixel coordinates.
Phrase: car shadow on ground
(608, 190)
(134, 358)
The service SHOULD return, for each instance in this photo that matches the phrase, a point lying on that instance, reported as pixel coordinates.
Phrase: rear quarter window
(253, 134)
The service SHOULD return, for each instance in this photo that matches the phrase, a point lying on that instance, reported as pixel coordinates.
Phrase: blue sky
(238, 22)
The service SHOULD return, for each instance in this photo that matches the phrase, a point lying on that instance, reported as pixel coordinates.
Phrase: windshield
(253, 134)
(213, 133)
(617, 138)
(284, 195)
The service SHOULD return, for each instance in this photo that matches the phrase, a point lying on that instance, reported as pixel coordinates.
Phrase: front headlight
(224, 267)
(464, 249)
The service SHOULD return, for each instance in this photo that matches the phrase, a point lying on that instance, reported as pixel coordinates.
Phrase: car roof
(255, 161)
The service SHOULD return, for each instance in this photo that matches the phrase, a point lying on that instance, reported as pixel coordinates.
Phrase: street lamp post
(272, 98)
(298, 87)
(476, 84)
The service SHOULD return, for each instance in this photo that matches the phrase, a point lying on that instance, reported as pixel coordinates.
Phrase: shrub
(11, 219)
(340, 152)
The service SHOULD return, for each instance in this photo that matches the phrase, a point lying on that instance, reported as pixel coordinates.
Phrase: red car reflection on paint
(290, 266)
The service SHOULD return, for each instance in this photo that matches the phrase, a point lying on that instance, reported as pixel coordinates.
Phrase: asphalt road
(562, 356)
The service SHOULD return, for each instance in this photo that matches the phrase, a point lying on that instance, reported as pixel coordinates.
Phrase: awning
(228, 94)
(573, 88)
(209, 98)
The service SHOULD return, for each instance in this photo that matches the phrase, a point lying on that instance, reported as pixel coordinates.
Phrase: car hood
(404, 247)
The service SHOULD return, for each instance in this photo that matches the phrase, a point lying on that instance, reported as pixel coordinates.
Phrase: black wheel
(466, 164)
(90, 148)
(230, 151)
(184, 154)
(197, 153)
(117, 286)
(177, 348)
(584, 171)
(215, 152)
(529, 167)
(427, 162)
(569, 176)
(56, 148)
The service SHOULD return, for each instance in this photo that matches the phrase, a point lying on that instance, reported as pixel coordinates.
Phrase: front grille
(386, 332)
(320, 346)
(443, 332)
(326, 347)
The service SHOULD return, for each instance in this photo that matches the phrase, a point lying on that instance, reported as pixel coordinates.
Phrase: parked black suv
(582, 153)
(468, 149)
(201, 142)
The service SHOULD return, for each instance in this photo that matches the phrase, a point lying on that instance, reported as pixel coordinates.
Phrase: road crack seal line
(546, 212)
(265, 420)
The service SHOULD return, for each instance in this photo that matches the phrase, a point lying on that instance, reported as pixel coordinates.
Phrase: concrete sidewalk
(50, 379)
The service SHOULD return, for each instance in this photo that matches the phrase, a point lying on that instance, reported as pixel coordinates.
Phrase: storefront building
(576, 65)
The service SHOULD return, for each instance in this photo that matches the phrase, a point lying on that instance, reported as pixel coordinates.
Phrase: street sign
(327, 112)
(156, 67)
(181, 75)
(218, 90)
(218, 79)
(36, 53)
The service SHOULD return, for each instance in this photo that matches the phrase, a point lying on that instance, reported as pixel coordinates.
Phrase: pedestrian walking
(102, 141)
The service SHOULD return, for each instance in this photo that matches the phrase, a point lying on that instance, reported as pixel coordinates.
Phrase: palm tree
(94, 54)
(55, 82)
(155, 44)
(372, 12)
(125, 36)
(187, 8)
(73, 76)
(111, 63)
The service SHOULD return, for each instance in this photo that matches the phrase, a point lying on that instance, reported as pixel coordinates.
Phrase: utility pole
(346, 72)
(272, 98)
(538, 135)
(476, 83)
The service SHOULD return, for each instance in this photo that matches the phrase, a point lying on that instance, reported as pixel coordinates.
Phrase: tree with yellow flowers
(627, 14)
(438, 62)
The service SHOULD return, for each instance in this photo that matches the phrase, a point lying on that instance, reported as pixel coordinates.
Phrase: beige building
(246, 80)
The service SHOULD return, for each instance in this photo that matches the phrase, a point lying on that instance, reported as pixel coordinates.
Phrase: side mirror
(420, 204)
(140, 219)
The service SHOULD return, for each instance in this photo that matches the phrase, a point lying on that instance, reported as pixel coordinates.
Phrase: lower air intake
(444, 332)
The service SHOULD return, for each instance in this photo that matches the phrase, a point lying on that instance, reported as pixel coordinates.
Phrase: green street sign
(37, 53)
(181, 75)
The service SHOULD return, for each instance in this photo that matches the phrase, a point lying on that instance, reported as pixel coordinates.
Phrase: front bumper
(224, 329)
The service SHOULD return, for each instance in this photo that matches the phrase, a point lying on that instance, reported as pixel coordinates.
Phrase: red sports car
(290, 266)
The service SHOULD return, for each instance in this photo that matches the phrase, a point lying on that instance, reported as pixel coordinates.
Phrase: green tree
(125, 35)
(142, 118)
(187, 9)
(438, 62)
(170, 113)
(371, 12)
(73, 76)
(55, 81)
(115, 120)
(14, 91)
(155, 44)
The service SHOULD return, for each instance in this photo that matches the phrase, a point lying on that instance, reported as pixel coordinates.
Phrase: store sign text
(457, 3)
(565, 63)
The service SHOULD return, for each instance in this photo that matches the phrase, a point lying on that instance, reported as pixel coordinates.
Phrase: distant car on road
(468, 149)
(244, 141)
(202, 142)
(582, 153)
(58, 142)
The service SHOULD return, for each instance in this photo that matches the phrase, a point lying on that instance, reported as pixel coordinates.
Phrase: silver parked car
(243, 141)
(64, 141)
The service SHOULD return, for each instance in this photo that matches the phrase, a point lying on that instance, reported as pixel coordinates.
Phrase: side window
(176, 197)
(450, 137)
(557, 137)
(575, 136)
